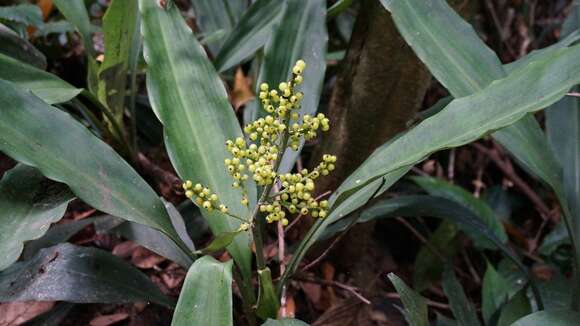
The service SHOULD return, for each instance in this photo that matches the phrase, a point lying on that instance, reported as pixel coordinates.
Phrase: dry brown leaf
(145, 259)
(46, 7)
(17, 313)
(107, 320)
(313, 292)
(242, 92)
(125, 249)
(173, 276)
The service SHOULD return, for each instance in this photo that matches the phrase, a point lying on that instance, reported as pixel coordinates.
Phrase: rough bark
(379, 90)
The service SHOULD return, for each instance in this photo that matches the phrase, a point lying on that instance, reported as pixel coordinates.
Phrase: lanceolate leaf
(464, 120)
(29, 203)
(119, 25)
(77, 274)
(307, 21)
(460, 60)
(432, 206)
(206, 296)
(18, 48)
(268, 302)
(563, 127)
(415, 305)
(57, 234)
(216, 16)
(29, 15)
(308, 41)
(427, 266)
(191, 102)
(250, 34)
(516, 308)
(442, 188)
(550, 317)
(45, 85)
(31, 132)
(494, 293)
(463, 310)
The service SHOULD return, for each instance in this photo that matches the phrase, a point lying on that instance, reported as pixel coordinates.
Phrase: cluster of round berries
(267, 138)
(285, 101)
(203, 197)
(307, 129)
(296, 193)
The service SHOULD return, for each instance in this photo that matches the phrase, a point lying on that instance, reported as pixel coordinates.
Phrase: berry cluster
(203, 197)
(258, 156)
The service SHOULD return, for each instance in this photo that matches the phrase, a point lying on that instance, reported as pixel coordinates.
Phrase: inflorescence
(259, 154)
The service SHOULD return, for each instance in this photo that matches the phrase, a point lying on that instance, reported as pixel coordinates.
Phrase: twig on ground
(351, 289)
(506, 167)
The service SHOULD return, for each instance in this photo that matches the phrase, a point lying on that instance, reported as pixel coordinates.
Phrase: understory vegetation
(290, 162)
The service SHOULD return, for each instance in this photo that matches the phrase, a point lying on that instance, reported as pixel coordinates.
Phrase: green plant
(201, 131)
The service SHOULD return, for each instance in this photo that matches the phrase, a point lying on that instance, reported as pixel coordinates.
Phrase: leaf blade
(191, 102)
(206, 297)
(58, 273)
(45, 85)
(98, 175)
(29, 204)
(250, 34)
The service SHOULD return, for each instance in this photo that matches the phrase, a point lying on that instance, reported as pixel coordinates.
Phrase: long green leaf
(469, 118)
(442, 188)
(516, 308)
(415, 305)
(57, 234)
(250, 34)
(463, 310)
(45, 85)
(551, 318)
(460, 60)
(29, 15)
(307, 21)
(439, 207)
(18, 48)
(422, 205)
(119, 25)
(427, 267)
(268, 303)
(563, 128)
(30, 132)
(191, 102)
(214, 16)
(28, 205)
(494, 293)
(77, 274)
(206, 296)
(447, 44)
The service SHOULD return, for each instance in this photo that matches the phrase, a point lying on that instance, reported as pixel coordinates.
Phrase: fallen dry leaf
(242, 92)
(46, 7)
(145, 259)
(173, 276)
(17, 313)
(107, 320)
(125, 249)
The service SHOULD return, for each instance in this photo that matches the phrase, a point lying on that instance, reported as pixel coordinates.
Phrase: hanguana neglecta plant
(259, 155)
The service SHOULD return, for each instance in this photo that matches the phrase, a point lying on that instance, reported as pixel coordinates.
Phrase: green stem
(248, 298)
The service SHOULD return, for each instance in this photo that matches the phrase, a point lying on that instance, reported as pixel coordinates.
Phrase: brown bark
(379, 90)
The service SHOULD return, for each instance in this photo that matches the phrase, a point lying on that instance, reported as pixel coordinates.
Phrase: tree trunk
(379, 90)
